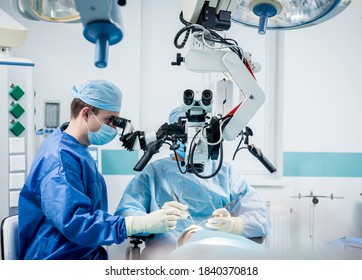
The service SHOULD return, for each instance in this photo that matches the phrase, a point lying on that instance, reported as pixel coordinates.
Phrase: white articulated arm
(228, 62)
(255, 96)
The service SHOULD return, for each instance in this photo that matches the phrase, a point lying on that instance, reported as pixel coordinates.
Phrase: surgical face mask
(103, 136)
(181, 150)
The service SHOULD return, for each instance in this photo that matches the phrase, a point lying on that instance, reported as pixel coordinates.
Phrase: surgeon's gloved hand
(159, 221)
(222, 221)
(179, 207)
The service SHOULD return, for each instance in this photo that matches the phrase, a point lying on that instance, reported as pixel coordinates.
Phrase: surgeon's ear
(85, 113)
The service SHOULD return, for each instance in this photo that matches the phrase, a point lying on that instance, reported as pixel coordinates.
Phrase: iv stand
(312, 211)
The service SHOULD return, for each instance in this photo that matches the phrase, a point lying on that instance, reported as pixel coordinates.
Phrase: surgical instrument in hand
(226, 206)
(233, 201)
(178, 200)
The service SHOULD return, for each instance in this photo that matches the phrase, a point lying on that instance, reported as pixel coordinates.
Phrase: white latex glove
(179, 207)
(222, 221)
(159, 221)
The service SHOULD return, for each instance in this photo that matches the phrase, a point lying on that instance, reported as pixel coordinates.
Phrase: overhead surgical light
(285, 14)
(101, 19)
(53, 11)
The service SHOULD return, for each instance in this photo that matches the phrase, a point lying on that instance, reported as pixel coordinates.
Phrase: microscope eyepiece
(206, 97)
(188, 97)
(120, 122)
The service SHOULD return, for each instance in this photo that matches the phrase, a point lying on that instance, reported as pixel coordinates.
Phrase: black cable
(192, 151)
(237, 150)
(225, 41)
(217, 169)
(178, 164)
(217, 38)
(230, 39)
(181, 17)
(190, 160)
(178, 34)
(176, 158)
(191, 145)
(188, 27)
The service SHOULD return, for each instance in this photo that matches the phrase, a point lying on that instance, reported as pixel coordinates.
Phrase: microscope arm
(206, 61)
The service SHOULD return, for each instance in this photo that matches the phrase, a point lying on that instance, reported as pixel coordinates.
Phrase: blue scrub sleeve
(70, 210)
(249, 207)
(136, 198)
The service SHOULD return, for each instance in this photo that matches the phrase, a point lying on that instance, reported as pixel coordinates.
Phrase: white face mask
(103, 136)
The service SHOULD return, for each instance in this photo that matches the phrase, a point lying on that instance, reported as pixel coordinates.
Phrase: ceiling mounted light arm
(101, 19)
(102, 25)
(265, 9)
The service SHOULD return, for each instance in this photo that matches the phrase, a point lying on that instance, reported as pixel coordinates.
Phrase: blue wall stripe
(322, 164)
(119, 162)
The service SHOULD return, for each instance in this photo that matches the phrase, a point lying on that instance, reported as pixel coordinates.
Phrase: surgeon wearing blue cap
(63, 203)
(224, 202)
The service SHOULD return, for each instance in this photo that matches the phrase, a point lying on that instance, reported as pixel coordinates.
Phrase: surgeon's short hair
(77, 105)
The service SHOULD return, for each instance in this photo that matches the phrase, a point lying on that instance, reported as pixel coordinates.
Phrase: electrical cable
(178, 164)
(214, 37)
(238, 147)
(176, 158)
(190, 159)
(217, 169)
(237, 150)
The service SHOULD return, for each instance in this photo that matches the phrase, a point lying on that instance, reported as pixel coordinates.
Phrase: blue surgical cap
(101, 94)
(175, 114)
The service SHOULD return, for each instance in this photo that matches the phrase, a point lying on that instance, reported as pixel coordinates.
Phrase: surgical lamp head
(102, 26)
(101, 19)
(285, 14)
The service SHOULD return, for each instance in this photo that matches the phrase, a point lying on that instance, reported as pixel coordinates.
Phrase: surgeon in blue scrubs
(63, 203)
(224, 202)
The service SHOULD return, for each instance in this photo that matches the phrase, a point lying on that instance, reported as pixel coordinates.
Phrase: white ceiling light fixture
(285, 14)
(48, 10)
(101, 19)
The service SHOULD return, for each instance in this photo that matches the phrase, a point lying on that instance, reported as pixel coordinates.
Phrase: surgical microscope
(202, 130)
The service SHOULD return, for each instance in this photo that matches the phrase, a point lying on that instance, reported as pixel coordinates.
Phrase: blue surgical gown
(149, 190)
(63, 205)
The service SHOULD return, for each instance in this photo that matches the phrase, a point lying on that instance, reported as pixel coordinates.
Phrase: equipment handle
(259, 155)
(151, 149)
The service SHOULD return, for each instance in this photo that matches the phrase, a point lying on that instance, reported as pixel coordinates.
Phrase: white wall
(322, 86)
(321, 90)
(322, 113)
